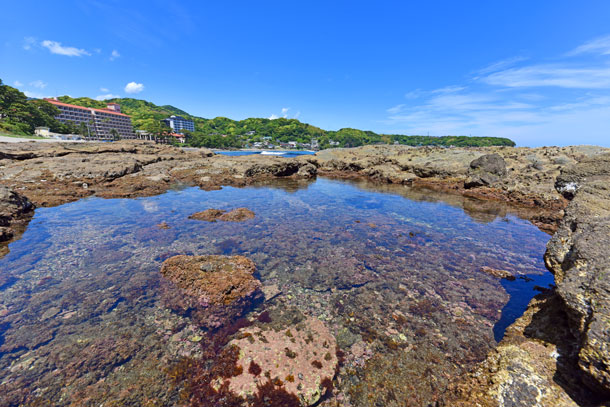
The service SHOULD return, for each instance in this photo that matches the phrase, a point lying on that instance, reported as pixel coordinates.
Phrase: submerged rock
(237, 215)
(300, 360)
(212, 215)
(505, 274)
(213, 289)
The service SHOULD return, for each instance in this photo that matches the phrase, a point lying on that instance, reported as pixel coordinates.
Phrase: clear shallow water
(394, 274)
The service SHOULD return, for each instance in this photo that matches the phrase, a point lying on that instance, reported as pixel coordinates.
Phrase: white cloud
(56, 48)
(297, 114)
(552, 75)
(273, 117)
(38, 84)
(567, 102)
(28, 43)
(35, 95)
(285, 112)
(114, 55)
(497, 66)
(396, 109)
(107, 96)
(599, 45)
(17, 84)
(133, 87)
(105, 90)
(418, 93)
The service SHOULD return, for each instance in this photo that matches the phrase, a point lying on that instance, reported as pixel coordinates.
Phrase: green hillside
(227, 133)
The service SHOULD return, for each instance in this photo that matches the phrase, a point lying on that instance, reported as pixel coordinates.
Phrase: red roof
(177, 135)
(56, 102)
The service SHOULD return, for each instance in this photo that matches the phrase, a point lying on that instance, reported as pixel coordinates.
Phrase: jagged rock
(13, 207)
(578, 256)
(212, 289)
(492, 163)
(486, 170)
(307, 171)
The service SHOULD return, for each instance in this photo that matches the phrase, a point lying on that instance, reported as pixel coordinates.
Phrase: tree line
(20, 115)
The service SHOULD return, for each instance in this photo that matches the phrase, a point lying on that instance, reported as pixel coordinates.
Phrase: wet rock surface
(235, 215)
(212, 289)
(300, 359)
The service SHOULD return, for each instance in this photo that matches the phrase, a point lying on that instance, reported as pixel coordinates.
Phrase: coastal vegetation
(20, 115)
(222, 132)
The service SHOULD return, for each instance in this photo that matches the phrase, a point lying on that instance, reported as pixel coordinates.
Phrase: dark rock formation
(212, 289)
(486, 170)
(578, 255)
(13, 209)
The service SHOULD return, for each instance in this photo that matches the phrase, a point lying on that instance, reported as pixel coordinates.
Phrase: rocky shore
(557, 353)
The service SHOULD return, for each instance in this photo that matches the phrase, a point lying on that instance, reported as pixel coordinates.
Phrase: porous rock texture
(558, 352)
(579, 256)
(212, 289)
(15, 213)
(301, 359)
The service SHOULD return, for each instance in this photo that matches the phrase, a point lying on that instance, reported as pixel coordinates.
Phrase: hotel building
(100, 122)
(178, 123)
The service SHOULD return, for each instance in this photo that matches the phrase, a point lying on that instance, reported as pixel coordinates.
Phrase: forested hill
(224, 132)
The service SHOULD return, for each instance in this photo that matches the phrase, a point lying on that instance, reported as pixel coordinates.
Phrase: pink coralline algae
(214, 289)
(301, 360)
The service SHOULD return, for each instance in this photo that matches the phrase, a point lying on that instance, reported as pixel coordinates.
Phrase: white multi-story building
(179, 123)
(102, 124)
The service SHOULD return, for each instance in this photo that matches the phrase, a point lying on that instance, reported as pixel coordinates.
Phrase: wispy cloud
(105, 90)
(28, 43)
(17, 84)
(38, 84)
(396, 109)
(418, 93)
(107, 96)
(273, 117)
(36, 95)
(114, 55)
(599, 45)
(57, 48)
(134, 87)
(552, 75)
(533, 103)
(500, 65)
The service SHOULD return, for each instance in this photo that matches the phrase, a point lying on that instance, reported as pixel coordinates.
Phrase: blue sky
(535, 71)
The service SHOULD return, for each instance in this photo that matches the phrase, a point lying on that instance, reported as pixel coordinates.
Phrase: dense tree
(222, 132)
(20, 115)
